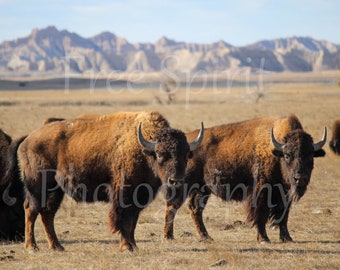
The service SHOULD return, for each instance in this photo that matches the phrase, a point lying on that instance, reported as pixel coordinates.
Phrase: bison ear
(319, 153)
(277, 153)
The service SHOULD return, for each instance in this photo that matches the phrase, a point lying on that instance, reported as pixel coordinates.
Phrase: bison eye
(159, 158)
(162, 157)
(288, 157)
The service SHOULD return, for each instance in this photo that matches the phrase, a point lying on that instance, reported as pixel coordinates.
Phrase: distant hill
(296, 43)
(50, 51)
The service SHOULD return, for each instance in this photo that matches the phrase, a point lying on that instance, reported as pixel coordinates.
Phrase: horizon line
(167, 37)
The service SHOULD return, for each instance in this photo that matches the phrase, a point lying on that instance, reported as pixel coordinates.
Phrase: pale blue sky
(238, 22)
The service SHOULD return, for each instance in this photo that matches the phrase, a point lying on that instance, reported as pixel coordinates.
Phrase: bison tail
(12, 171)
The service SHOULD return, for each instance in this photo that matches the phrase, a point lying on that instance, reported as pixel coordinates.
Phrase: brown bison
(101, 159)
(12, 193)
(265, 161)
(12, 219)
(334, 144)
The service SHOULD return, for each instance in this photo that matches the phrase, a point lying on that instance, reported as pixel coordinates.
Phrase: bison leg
(47, 216)
(262, 218)
(170, 214)
(280, 214)
(258, 212)
(123, 219)
(172, 206)
(31, 216)
(34, 205)
(262, 236)
(127, 230)
(197, 203)
(283, 220)
(284, 234)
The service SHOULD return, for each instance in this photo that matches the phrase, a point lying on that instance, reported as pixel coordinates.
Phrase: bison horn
(318, 145)
(278, 146)
(196, 143)
(150, 146)
(10, 201)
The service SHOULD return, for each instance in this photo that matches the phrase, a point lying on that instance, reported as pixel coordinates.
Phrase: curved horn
(196, 143)
(10, 201)
(318, 145)
(150, 146)
(278, 146)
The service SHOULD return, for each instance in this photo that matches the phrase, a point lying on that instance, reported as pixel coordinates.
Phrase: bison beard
(238, 162)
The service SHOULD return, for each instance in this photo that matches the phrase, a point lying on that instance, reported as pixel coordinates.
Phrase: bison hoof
(286, 239)
(57, 247)
(206, 239)
(128, 247)
(264, 242)
(169, 237)
(32, 249)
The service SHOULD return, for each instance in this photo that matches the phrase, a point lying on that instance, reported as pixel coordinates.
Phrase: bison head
(171, 152)
(297, 152)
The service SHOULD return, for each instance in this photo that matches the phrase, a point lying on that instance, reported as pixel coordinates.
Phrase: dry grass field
(314, 221)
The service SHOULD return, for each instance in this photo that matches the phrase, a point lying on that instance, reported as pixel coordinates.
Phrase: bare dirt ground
(82, 229)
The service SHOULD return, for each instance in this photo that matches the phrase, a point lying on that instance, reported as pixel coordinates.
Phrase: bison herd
(126, 158)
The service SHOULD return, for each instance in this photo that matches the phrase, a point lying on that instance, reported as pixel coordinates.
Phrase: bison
(12, 193)
(265, 161)
(12, 219)
(334, 143)
(108, 158)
